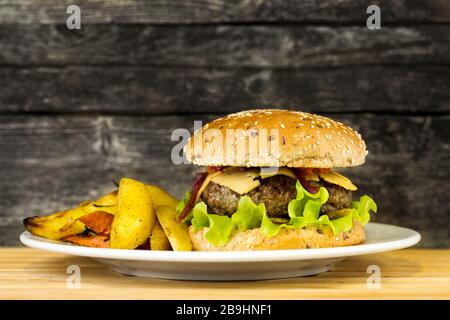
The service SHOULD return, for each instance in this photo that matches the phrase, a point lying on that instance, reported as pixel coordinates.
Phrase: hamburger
(270, 183)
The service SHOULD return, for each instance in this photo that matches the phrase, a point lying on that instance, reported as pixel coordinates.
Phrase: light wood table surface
(405, 274)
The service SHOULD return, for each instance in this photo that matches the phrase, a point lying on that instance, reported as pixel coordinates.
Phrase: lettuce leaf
(269, 228)
(338, 225)
(220, 227)
(248, 215)
(305, 208)
(311, 201)
(182, 203)
(200, 217)
(180, 206)
(304, 211)
(362, 208)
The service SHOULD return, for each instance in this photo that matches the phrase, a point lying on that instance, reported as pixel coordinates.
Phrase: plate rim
(413, 238)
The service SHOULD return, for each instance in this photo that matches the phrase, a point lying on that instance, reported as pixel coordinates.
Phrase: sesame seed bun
(306, 238)
(282, 138)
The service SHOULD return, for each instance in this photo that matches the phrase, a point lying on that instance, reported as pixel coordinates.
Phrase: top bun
(276, 138)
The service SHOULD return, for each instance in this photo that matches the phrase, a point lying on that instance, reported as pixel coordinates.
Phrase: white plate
(233, 265)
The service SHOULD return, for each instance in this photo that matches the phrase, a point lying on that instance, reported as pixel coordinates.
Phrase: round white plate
(233, 265)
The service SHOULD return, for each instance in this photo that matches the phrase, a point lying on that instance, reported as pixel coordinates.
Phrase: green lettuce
(304, 211)
(307, 204)
(361, 209)
(270, 228)
(220, 227)
(248, 215)
(180, 206)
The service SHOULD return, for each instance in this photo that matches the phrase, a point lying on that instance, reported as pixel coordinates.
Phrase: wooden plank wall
(81, 108)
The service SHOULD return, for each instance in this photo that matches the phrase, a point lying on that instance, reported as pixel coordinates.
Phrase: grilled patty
(275, 192)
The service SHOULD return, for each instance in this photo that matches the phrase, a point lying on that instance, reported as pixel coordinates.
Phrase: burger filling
(228, 199)
(275, 192)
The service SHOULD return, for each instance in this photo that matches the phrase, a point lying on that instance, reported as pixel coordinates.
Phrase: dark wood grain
(81, 108)
(52, 162)
(195, 90)
(221, 11)
(224, 46)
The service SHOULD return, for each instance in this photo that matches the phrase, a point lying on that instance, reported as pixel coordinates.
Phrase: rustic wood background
(81, 108)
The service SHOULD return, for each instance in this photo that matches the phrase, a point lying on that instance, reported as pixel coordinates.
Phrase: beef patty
(275, 192)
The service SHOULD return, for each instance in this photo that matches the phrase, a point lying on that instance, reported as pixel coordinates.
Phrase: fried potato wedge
(158, 238)
(61, 224)
(161, 197)
(176, 232)
(93, 241)
(135, 215)
(98, 221)
(107, 203)
(56, 226)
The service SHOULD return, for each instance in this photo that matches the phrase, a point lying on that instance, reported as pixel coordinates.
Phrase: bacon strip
(98, 221)
(212, 169)
(93, 241)
(199, 178)
(301, 176)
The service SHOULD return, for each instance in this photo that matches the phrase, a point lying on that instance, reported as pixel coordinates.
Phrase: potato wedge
(161, 197)
(107, 203)
(158, 238)
(99, 222)
(135, 215)
(93, 241)
(177, 233)
(64, 223)
(57, 225)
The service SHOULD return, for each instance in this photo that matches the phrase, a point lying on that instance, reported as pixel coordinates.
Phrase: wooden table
(405, 274)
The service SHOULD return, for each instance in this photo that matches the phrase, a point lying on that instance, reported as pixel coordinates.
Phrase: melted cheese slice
(206, 182)
(245, 181)
(238, 181)
(339, 179)
(270, 172)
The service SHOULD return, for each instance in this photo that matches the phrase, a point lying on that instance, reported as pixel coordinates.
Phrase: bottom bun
(308, 238)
